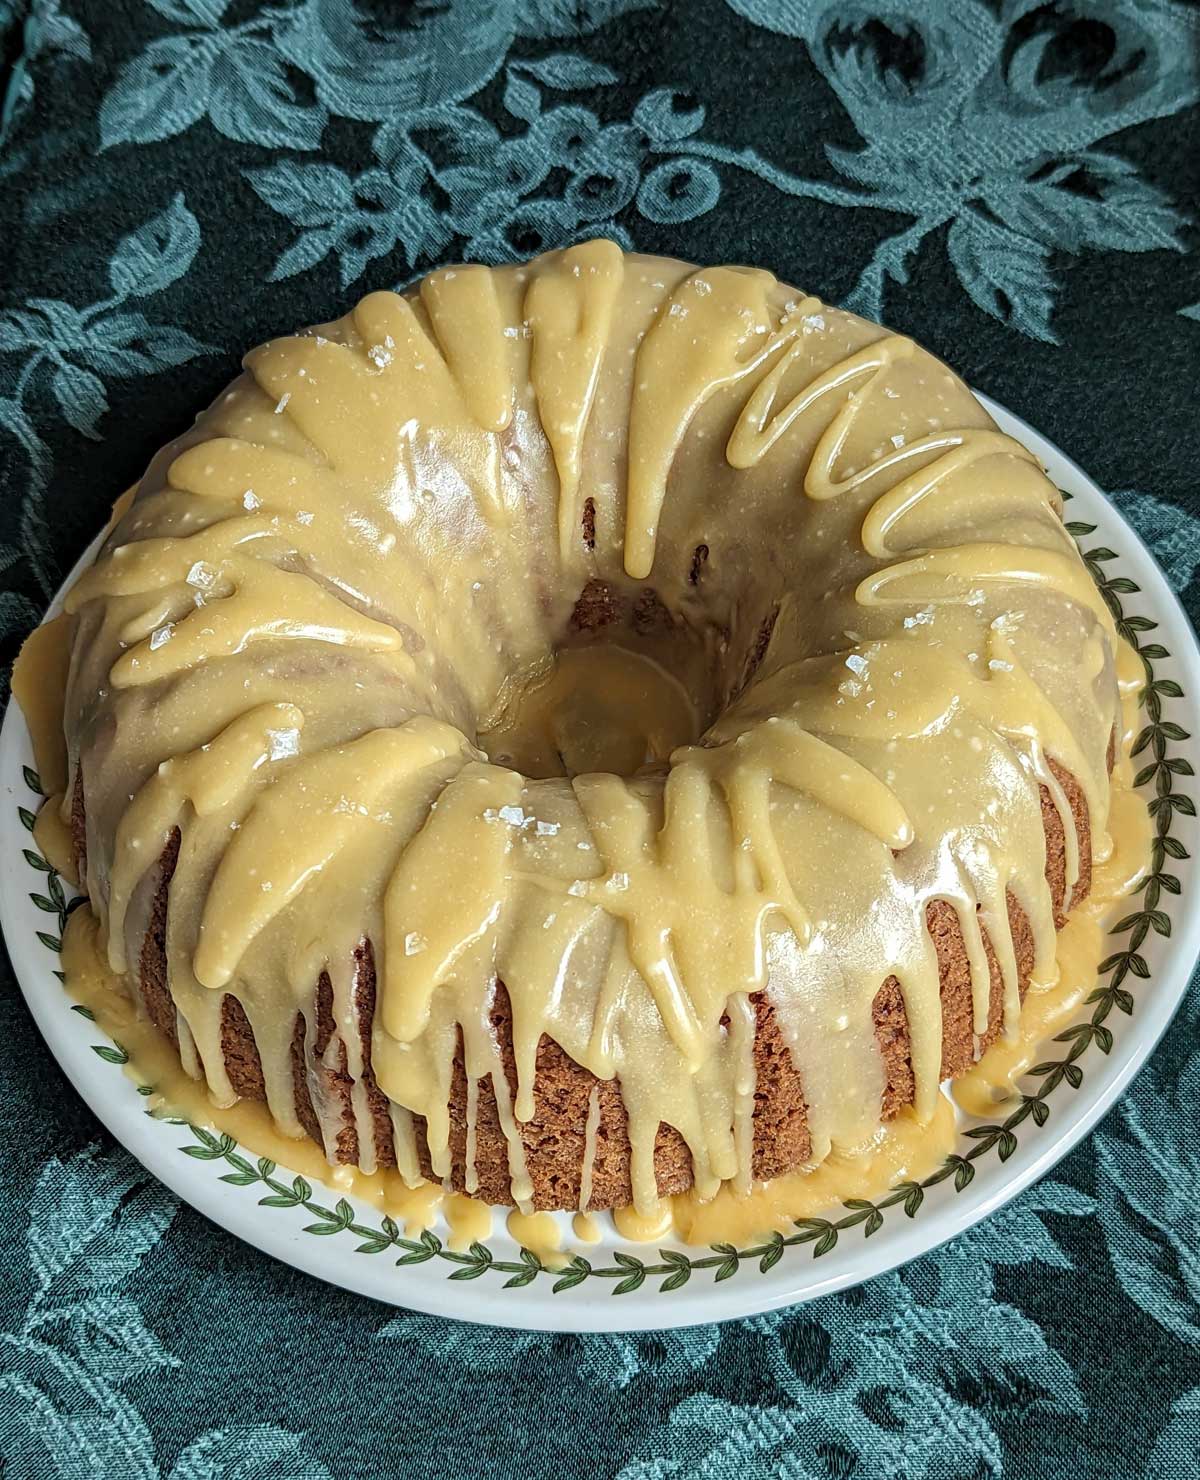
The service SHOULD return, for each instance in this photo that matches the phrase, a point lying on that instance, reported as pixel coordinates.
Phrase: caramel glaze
(291, 652)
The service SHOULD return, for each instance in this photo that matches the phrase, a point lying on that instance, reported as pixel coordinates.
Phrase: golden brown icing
(328, 612)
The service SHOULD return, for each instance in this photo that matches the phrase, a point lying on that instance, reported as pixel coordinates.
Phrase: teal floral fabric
(1012, 181)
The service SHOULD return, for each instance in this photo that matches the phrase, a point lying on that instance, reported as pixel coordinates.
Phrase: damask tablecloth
(1011, 181)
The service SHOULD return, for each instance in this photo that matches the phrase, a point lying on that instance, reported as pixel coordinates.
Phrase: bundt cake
(587, 729)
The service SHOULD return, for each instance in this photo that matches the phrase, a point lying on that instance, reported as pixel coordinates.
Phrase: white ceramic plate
(625, 1287)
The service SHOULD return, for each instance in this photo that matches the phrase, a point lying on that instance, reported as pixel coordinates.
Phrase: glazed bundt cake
(588, 729)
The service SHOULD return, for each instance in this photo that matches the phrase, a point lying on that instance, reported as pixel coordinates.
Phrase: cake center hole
(602, 707)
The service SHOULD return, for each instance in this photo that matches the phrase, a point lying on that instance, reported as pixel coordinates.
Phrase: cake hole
(589, 523)
(699, 561)
(629, 680)
(594, 707)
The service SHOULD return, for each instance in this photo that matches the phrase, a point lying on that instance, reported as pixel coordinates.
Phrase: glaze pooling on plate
(291, 647)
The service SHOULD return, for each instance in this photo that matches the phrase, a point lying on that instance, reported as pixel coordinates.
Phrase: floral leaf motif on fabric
(93, 1220)
(498, 206)
(1003, 271)
(1153, 1172)
(61, 1370)
(250, 1452)
(47, 32)
(1171, 532)
(358, 218)
(555, 18)
(878, 1375)
(233, 74)
(453, 174)
(197, 12)
(66, 354)
(1177, 1451)
(275, 77)
(568, 71)
(610, 1361)
(253, 100)
(153, 257)
(974, 122)
(88, 1229)
(971, 122)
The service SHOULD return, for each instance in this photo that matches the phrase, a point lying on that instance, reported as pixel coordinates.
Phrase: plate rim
(588, 1308)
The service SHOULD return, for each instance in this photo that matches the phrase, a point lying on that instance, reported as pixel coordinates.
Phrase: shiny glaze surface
(296, 637)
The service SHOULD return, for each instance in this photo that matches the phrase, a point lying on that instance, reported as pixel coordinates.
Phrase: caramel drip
(954, 575)
(590, 1131)
(354, 572)
(207, 781)
(586, 1229)
(404, 1144)
(38, 683)
(321, 804)
(540, 1234)
(470, 1222)
(468, 319)
(702, 340)
(569, 309)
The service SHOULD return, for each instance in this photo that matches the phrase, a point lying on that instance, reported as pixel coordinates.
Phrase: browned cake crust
(553, 1138)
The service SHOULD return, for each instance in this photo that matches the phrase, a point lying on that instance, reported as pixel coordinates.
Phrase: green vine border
(629, 1272)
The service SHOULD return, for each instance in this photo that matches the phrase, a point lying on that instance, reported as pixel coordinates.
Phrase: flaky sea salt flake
(515, 816)
(202, 576)
(283, 743)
